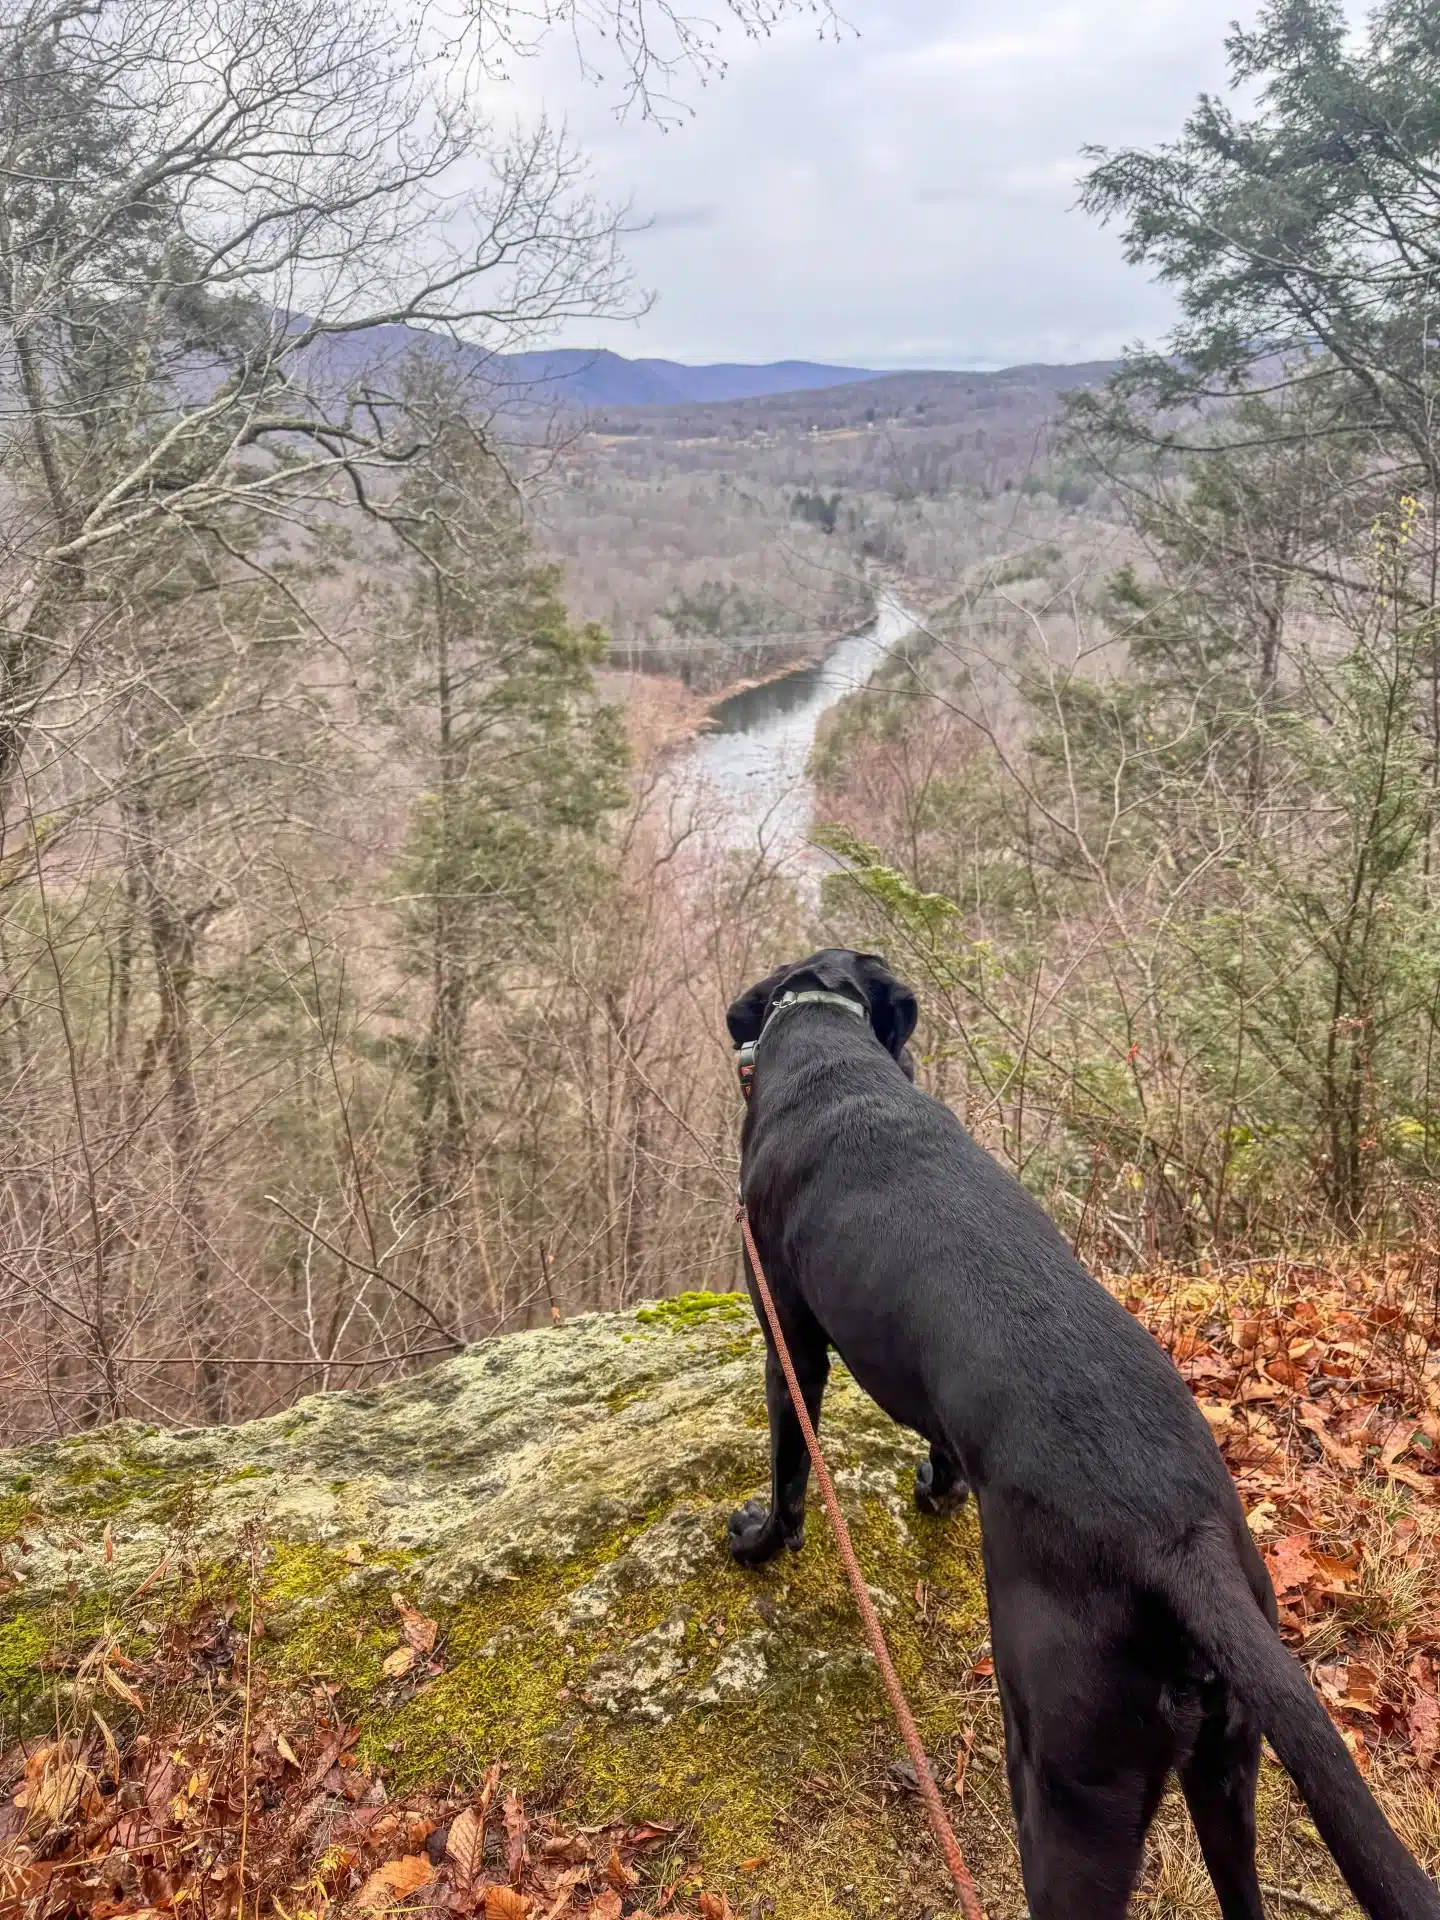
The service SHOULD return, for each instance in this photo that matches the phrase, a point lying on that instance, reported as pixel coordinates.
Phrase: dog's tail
(1216, 1604)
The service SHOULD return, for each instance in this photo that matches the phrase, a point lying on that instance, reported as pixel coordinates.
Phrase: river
(752, 765)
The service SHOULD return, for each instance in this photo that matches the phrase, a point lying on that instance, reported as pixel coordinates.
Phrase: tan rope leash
(969, 1900)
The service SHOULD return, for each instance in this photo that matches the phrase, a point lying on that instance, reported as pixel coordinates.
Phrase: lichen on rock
(556, 1500)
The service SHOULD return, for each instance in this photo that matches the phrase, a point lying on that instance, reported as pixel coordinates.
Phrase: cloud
(904, 196)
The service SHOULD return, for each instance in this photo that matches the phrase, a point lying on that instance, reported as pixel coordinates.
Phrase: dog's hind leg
(1087, 1746)
(1082, 1843)
(757, 1533)
(1219, 1781)
(940, 1484)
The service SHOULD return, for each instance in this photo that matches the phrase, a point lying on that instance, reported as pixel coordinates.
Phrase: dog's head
(864, 976)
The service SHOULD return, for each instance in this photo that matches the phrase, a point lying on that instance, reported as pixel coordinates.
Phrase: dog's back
(955, 1302)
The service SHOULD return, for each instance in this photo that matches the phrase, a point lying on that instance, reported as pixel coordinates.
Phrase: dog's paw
(940, 1505)
(756, 1536)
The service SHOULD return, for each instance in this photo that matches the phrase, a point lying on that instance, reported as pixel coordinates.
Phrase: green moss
(15, 1508)
(731, 1769)
(518, 1667)
(99, 1488)
(39, 1647)
(23, 1645)
(332, 1621)
(686, 1310)
(593, 1631)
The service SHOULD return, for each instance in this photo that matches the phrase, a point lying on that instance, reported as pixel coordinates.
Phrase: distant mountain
(665, 396)
(911, 399)
(586, 377)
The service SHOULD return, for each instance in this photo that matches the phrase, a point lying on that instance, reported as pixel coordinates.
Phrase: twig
(151, 1577)
(375, 1273)
(1300, 1900)
(245, 1739)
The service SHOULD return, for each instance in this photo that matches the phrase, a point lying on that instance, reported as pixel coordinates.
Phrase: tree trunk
(173, 934)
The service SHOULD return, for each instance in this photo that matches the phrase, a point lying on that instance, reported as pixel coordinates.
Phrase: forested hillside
(339, 1003)
(719, 541)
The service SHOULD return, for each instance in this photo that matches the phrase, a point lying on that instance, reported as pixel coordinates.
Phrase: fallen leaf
(418, 1631)
(605, 1906)
(159, 1784)
(112, 1752)
(1359, 1752)
(55, 1780)
(122, 1690)
(503, 1903)
(621, 1877)
(396, 1880)
(398, 1662)
(1313, 1421)
(1362, 1688)
(1354, 1687)
(1188, 1345)
(714, 1906)
(562, 1890)
(154, 1574)
(1422, 1723)
(517, 1854)
(466, 1846)
(1334, 1572)
(286, 1751)
(335, 1742)
(1408, 1477)
(568, 1848)
(1261, 1518)
(1291, 1564)
(1290, 1373)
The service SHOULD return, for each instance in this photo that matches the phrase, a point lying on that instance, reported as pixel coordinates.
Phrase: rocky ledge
(520, 1557)
(554, 1502)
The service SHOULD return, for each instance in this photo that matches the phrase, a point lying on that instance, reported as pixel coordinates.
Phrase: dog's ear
(893, 1007)
(747, 1014)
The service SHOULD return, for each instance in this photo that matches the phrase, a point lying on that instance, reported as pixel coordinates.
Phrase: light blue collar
(812, 996)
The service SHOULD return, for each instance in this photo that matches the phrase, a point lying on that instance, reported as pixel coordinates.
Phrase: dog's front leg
(757, 1533)
(940, 1484)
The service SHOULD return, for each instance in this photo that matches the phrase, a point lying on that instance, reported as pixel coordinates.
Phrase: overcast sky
(905, 197)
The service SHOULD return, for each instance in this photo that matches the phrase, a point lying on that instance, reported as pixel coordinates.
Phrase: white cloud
(906, 196)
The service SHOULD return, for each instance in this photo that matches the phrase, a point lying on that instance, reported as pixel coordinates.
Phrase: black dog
(1131, 1617)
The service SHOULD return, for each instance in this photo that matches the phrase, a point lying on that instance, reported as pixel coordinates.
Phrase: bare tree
(220, 230)
(207, 215)
(646, 48)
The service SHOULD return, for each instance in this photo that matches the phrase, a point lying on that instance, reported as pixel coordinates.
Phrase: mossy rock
(556, 1501)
